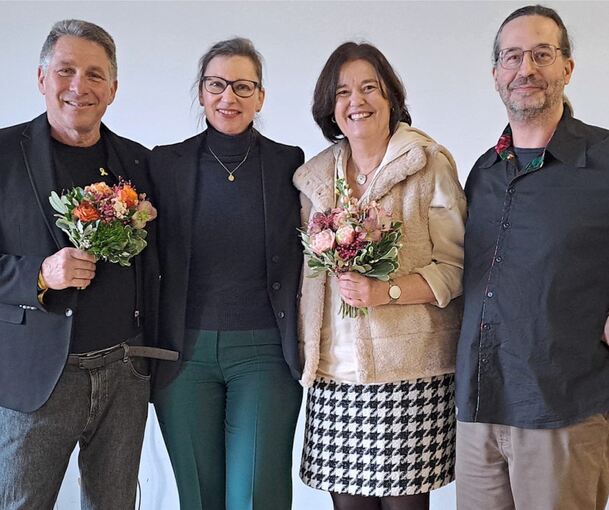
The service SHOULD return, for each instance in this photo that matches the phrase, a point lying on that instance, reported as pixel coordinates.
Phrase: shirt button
(506, 225)
(275, 259)
(68, 312)
(489, 294)
(281, 315)
(511, 190)
(276, 286)
(484, 360)
(486, 326)
(499, 259)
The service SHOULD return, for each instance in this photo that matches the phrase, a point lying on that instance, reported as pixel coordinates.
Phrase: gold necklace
(231, 177)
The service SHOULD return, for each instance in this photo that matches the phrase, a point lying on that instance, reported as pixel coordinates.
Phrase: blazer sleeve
(19, 279)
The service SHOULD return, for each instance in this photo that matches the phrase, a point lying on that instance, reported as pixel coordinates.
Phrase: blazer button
(276, 286)
(68, 312)
(281, 315)
(275, 259)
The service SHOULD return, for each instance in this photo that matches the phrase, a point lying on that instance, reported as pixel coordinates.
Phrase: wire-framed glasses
(542, 55)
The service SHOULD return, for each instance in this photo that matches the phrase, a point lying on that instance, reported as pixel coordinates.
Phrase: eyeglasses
(217, 85)
(542, 55)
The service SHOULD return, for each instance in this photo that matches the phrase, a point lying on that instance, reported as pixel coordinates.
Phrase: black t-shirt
(525, 156)
(105, 313)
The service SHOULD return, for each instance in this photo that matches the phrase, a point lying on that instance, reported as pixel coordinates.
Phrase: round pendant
(361, 179)
(231, 177)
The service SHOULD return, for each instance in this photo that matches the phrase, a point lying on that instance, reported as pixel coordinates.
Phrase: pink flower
(145, 212)
(339, 218)
(322, 241)
(120, 209)
(345, 235)
(317, 223)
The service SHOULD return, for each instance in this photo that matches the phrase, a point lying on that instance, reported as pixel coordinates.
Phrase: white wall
(441, 50)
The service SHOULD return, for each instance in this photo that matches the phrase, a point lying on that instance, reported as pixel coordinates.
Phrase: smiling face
(530, 91)
(361, 110)
(227, 112)
(78, 87)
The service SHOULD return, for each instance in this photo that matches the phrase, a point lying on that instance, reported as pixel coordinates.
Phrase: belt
(122, 351)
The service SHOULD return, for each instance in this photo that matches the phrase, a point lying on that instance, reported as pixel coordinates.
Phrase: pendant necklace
(361, 177)
(231, 176)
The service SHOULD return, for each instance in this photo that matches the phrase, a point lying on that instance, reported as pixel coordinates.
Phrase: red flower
(85, 212)
(505, 142)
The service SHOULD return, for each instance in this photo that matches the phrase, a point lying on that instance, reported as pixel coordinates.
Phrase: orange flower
(127, 195)
(100, 188)
(85, 212)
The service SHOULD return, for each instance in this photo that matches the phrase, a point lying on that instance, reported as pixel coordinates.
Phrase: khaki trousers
(500, 467)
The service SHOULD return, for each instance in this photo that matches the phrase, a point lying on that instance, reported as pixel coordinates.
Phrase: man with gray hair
(532, 373)
(73, 331)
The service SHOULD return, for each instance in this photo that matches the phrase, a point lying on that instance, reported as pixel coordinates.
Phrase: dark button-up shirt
(536, 285)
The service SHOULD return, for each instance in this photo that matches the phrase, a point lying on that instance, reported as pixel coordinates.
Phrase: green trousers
(228, 421)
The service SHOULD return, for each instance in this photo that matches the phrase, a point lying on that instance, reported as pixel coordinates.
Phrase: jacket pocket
(11, 313)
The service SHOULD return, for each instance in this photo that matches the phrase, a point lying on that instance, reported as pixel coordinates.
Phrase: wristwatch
(394, 292)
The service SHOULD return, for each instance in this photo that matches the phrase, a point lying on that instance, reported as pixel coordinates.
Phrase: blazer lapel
(38, 159)
(272, 187)
(184, 185)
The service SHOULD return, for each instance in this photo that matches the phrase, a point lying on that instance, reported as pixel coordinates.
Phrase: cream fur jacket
(393, 342)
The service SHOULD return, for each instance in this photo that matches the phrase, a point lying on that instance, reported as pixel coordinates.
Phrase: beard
(534, 106)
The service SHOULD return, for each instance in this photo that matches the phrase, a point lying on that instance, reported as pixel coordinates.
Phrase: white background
(442, 50)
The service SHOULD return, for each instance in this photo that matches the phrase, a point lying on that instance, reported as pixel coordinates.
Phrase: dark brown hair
(324, 97)
(535, 10)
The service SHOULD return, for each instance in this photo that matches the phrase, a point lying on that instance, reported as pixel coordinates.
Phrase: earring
(333, 120)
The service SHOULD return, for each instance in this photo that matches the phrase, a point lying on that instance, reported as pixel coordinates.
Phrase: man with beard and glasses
(533, 362)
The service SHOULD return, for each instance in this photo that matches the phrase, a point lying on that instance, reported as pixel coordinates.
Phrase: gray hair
(535, 10)
(83, 30)
(235, 47)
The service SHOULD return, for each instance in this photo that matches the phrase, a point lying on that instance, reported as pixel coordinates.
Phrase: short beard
(553, 96)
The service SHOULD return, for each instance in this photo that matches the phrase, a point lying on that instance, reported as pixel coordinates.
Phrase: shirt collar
(567, 144)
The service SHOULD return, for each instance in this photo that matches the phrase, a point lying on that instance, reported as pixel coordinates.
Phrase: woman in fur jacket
(380, 425)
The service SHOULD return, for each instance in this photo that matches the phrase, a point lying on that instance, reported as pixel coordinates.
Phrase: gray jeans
(104, 410)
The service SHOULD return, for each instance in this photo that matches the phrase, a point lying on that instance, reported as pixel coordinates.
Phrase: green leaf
(57, 203)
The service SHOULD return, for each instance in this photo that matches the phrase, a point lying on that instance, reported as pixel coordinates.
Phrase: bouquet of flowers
(352, 238)
(106, 221)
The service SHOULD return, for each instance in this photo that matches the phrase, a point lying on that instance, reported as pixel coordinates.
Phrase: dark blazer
(34, 339)
(173, 170)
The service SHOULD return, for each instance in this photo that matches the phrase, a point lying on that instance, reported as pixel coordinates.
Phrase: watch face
(395, 292)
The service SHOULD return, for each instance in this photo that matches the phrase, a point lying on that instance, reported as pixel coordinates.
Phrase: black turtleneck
(227, 282)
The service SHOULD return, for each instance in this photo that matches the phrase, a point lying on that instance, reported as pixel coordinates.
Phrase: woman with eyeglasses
(231, 263)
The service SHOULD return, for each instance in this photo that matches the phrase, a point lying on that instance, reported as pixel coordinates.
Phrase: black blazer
(173, 170)
(35, 340)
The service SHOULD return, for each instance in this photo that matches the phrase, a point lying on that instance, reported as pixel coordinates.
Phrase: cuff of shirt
(42, 287)
(445, 285)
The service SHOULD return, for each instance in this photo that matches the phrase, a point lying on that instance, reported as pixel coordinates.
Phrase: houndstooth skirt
(380, 440)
